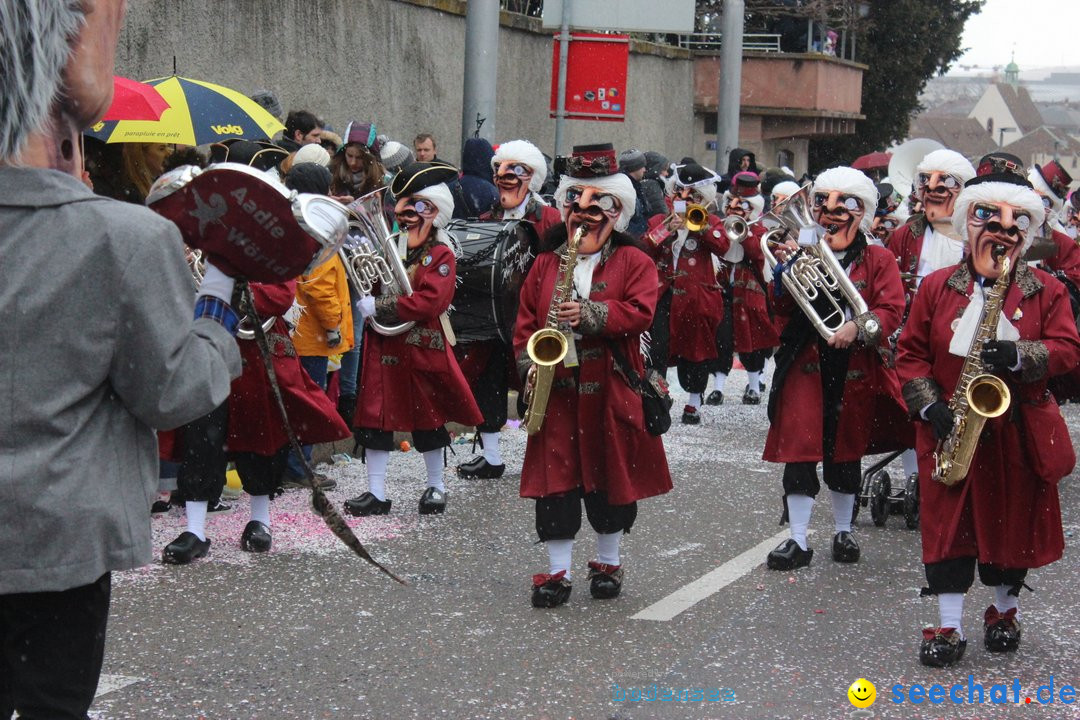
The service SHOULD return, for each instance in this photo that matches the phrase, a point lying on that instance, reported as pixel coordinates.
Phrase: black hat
(259, 155)
(693, 175)
(416, 176)
(1000, 162)
(308, 177)
(888, 199)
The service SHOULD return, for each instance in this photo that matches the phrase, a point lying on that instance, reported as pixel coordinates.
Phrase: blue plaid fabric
(217, 310)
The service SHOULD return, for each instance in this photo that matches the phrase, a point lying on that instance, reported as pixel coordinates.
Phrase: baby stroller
(876, 490)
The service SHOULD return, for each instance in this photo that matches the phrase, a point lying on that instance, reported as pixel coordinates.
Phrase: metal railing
(752, 42)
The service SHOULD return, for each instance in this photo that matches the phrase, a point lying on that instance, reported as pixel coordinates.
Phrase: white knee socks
(196, 517)
(377, 460)
(842, 505)
(951, 609)
(491, 448)
(720, 381)
(754, 380)
(260, 509)
(694, 400)
(433, 459)
(559, 555)
(1005, 602)
(799, 507)
(607, 548)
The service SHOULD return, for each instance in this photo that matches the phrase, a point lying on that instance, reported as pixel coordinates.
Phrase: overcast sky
(1043, 33)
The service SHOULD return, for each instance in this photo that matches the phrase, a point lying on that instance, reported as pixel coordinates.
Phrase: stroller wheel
(911, 502)
(880, 488)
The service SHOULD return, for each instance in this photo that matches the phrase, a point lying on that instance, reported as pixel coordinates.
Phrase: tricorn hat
(416, 176)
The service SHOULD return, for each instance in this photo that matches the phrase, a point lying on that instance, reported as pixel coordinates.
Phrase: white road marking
(112, 683)
(711, 582)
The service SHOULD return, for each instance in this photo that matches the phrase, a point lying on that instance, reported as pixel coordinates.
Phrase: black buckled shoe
(550, 591)
(751, 397)
(789, 556)
(367, 504)
(605, 581)
(941, 647)
(256, 537)
(184, 549)
(844, 548)
(690, 416)
(1001, 632)
(479, 467)
(433, 502)
(715, 398)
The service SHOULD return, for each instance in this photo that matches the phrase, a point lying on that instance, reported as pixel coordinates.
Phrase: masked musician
(107, 349)
(592, 446)
(1071, 215)
(519, 172)
(890, 215)
(834, 401)
(1005, 516)
(751, 331)
(411, 382)
(691, 305)
(1051, 184)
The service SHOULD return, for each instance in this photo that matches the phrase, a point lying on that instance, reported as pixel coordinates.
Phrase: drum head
(494, 259)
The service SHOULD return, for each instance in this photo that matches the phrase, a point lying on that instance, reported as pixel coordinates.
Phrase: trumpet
(695, 216)
(815, 273)
(735, 229)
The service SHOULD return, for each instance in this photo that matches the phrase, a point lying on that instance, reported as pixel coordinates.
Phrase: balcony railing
(752, 42)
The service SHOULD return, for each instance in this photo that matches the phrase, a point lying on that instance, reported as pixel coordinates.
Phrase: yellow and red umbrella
(199, 112)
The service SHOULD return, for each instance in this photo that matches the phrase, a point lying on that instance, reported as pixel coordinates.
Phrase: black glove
(999, 355)
(941, 419)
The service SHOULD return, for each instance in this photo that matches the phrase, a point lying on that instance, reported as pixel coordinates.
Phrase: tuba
(978, 395)
(814, 273)
(371, 256)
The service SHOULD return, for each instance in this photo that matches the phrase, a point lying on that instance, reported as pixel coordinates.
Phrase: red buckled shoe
(941, 647)
(550, 591)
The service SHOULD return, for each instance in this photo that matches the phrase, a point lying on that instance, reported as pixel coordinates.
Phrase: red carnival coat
(1007, 511)
(255, 423)
(697, 303)
(753, 328)
(905, 243)
(593, 434)
(543, 217)
(411, 381)
(872, 418)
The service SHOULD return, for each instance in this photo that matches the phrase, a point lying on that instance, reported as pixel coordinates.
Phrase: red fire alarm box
(595, 76)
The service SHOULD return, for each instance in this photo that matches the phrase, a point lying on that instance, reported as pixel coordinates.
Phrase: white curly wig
(618, 185)
(851, 182)
(1020, 196)
(35, 45)
(948, 161)
(525, 152)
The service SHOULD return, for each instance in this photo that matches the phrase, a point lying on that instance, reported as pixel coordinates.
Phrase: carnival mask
(416, 216)
(512, 180)
(597, 209)
(995, 230)
(883, 226)
(938, 191)
(840, 214)
(740, 207)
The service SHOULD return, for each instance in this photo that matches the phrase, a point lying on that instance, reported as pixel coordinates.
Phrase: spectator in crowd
(478, 194)
(652, 185)
(395, 156)
(301, 128)
(424, 148)
(739, 160)
(355, 169)
(632, 165)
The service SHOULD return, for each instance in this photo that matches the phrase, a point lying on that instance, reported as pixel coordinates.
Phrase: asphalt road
(310, 631)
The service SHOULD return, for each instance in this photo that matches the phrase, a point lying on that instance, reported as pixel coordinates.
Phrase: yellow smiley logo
(862, 693)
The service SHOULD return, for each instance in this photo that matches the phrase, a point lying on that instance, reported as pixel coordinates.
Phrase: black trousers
(491, 388)
(755, 361)
(800, 478)
(558, 517)
(693, 376)
(423, 440)
(725, 338)
(957, 575)
(51, 648)
(202, 469)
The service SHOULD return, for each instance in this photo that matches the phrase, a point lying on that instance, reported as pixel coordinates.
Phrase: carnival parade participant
(1002, 516)
(519, 171)
(928, 242)
(410, 381)
(592, 446)
(752, 331)
(77, 431)
(891, 213)
(690, 305)
(834, 401)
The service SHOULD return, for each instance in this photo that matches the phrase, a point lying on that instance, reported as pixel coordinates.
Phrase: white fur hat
(851, 182)
(998, 191)
(948, 161)
(786, 188)
(444, 200)
(523, 151)
(618, 185)
(1039, 184)
(36, 39)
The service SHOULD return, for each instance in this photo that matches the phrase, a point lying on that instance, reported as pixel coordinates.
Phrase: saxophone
(983, 394)
(548, 346)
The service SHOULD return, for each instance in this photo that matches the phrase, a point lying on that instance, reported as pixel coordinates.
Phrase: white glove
(217, 284)
(366, 306)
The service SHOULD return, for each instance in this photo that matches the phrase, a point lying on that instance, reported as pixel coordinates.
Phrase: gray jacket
(98, 349)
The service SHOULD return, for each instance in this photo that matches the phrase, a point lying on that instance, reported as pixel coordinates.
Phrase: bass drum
(494, 259)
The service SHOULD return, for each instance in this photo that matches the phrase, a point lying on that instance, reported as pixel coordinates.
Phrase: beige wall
(992, 105)
(396, 63)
